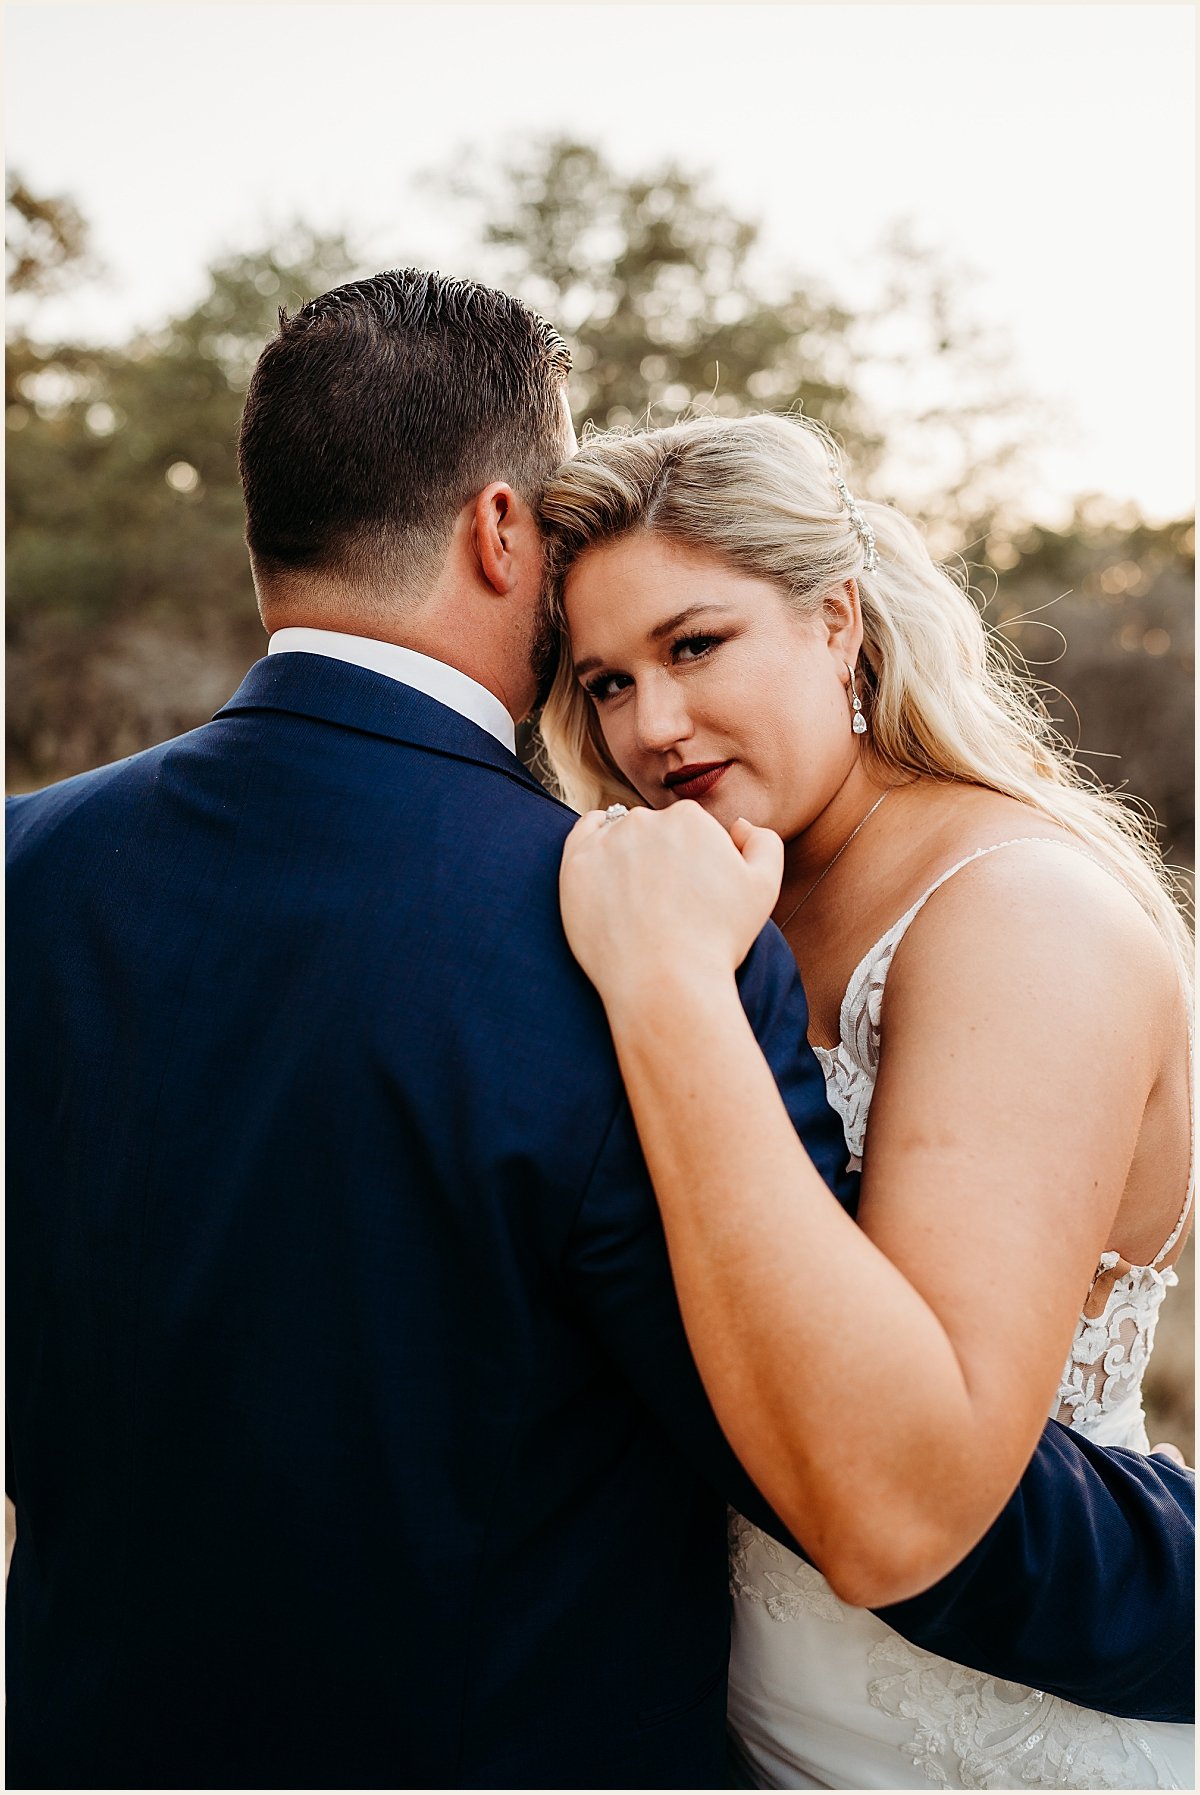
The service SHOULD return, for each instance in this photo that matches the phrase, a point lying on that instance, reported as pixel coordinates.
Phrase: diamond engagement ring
(615, 812)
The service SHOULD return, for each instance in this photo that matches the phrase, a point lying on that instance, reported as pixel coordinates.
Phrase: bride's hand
(663, 892)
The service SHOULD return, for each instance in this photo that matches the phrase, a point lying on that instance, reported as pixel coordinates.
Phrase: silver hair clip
(862, 528)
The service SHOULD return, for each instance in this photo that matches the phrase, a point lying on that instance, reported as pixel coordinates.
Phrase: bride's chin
(726, 811)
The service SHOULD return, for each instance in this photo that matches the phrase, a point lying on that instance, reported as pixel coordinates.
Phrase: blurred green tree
(130, 604)
(671, 305)
(123, 494)
(653, 281)
(46, 240)
(1103, 611)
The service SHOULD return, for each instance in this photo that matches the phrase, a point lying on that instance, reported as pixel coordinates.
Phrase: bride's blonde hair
(941, 695)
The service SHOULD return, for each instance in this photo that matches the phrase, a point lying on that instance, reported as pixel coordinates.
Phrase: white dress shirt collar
(450, 687)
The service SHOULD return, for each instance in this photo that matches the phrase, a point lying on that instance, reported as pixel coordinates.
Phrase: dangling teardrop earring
(858, 723)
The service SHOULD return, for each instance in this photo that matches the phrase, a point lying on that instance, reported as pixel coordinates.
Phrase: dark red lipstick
(697, 780)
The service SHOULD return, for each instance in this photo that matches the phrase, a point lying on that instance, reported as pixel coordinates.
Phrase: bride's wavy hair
(942, 695)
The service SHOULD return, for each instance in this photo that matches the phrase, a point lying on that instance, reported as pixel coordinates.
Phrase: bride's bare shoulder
(1030, 906)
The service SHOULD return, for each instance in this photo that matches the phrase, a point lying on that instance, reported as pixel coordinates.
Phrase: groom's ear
(503, 536)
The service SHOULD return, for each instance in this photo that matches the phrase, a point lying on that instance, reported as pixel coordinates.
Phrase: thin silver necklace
(862, 825)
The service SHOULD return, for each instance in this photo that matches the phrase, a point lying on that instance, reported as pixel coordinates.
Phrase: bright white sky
(1048, 147)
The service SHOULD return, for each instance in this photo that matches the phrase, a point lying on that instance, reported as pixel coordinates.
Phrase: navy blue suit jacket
(353, 1433)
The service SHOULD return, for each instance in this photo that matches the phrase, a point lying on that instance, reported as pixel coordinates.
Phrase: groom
(353, 1434)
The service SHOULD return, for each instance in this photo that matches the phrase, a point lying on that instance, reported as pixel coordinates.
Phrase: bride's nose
(662, 716)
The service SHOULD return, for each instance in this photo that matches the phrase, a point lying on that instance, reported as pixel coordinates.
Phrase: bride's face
(708, 685)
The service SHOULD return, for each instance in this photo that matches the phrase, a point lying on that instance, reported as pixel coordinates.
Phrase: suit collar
(352, 697)
(437, 679)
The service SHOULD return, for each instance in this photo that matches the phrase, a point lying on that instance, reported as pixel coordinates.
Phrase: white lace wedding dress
(822, 1695)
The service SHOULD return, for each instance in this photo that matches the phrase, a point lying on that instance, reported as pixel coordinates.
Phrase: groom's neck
(450, 635)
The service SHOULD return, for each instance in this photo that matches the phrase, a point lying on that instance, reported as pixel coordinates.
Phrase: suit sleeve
(1084, 1585)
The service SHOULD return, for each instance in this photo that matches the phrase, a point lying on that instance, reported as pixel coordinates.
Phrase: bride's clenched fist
(656, 894)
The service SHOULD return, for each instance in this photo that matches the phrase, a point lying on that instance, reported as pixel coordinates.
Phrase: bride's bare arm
(884, 1383)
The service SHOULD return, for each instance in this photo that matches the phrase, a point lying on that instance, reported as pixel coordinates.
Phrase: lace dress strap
(1177, 1230)
(880, 954)
(851, 1064)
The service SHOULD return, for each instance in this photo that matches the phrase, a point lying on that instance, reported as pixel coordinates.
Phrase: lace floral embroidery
(976, 1732)
(1110, 1350)
(761, 1570)
(850, 1067)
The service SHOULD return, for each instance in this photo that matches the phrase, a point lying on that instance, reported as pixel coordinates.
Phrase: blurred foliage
(45, 241)
(1170, 1387)
(671, 307)
(130, 604)
(123, 499)
(131, 610)
(650, 279)
(1103, 612)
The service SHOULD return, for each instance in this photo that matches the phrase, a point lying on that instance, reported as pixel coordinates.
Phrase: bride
(997, 984)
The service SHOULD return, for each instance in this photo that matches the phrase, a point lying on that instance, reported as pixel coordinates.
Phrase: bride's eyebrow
(659, 633)
(662, 630)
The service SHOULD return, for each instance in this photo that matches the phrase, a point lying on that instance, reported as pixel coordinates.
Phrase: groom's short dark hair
(379, 410)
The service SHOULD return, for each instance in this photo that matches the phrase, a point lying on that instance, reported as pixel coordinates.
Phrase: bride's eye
(694, 648)
(606, 685)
